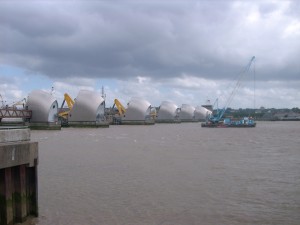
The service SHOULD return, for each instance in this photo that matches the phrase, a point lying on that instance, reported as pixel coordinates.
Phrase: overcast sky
(181, 51)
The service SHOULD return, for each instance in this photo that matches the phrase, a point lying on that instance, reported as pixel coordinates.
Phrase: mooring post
(19, 195)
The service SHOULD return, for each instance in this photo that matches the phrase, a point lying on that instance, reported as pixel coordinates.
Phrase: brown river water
(170, 174)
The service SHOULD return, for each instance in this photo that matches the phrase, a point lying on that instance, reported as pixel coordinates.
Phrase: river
(170, 174)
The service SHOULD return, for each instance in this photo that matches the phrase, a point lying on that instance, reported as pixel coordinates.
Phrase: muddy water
(170, 174)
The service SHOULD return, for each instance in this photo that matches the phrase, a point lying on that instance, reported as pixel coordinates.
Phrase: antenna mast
(254, 83)
(103, 94)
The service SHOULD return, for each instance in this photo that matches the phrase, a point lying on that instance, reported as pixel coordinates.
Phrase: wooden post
(31, 191)
(19, 196)
(6, 206)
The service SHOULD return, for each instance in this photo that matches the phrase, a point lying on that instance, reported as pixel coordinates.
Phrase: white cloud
(10, 90)
(186, 90)
(192, 82)
(72, 87)
(292, 30)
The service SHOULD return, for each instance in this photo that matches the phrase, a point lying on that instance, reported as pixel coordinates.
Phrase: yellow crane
(120, 107)
(70, 102)
(153, 113)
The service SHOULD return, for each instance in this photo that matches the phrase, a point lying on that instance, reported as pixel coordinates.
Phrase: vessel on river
(215, 119)
(228, 122)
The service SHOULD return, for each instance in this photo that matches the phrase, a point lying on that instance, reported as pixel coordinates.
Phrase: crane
(70, 102)
(215, 118)
(120, 107)
(21, 102)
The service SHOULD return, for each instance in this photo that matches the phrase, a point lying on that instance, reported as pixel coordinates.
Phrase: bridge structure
(12, 112)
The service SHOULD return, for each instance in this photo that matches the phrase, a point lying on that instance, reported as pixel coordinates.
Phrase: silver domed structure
(187, 113)
(138, 112)
(43, 105)
(201, 113)
(168, 112)
(88, 107)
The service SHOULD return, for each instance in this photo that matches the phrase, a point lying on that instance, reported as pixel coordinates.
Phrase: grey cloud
(102, 39)
(6, 79)
(36, 19)
(294, 8)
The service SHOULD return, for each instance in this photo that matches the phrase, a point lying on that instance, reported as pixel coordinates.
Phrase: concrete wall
(14, 135)
(18, 176)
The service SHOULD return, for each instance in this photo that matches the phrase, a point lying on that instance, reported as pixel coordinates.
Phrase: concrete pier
(18, 175)
(88, 124)
(168, 121)
(45, 126)
(137, 122)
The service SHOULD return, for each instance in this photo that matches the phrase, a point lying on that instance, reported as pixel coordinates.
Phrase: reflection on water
(170, 174)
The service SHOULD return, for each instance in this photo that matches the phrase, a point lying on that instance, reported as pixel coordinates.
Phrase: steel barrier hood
(88, 107)
(201, 113)
(43, 105)
(187, 112)
(137, 109)
(167, 111)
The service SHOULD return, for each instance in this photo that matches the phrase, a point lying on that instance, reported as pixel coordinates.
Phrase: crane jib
(217, 117)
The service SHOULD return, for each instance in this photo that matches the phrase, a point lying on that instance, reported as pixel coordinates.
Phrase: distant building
(208, 105)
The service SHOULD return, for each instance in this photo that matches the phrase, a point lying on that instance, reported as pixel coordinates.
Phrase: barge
(246, 122)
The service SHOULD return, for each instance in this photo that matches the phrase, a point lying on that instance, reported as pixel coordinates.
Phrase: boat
(228, 122)
(215, 119)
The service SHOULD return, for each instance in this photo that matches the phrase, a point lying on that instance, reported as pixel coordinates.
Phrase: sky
(186, 52)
